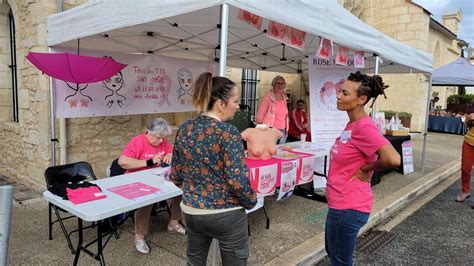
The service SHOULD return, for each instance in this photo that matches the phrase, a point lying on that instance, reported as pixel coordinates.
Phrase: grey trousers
(230, 228)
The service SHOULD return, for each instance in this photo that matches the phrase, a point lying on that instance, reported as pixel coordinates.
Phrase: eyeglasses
(280, 83)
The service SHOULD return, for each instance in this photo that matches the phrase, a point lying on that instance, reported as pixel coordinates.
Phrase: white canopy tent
(210, 29)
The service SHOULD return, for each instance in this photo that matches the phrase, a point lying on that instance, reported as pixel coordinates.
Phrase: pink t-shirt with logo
(356, 146)
(140, 148)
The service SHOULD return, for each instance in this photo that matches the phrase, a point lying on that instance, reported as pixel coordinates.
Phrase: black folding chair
(62, 174)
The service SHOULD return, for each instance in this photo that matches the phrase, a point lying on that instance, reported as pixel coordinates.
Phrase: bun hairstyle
(208, 89)
(371, 86)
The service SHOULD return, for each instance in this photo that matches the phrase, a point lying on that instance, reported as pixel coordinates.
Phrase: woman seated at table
(299, 123)
(147, 150)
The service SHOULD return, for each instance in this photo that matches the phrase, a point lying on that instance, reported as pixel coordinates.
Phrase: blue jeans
(342, 227)
(283, 139)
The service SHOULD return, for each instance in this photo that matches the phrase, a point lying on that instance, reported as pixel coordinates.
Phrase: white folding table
(113, 204)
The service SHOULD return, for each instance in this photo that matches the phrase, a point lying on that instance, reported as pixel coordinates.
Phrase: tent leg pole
(222, 70)
(53, 119)
(374, 106)
(425, 133)
(223, 39)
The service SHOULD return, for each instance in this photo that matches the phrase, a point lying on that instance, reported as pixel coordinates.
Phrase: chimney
(451, 21)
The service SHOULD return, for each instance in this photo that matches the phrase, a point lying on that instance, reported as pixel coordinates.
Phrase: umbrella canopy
(75, 68)
(457, 73)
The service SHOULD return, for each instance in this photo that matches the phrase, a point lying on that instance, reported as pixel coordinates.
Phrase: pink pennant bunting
(277, 31)
(359, 59)
(342, 56)
(325, 49)
(252, 19)
(296, 38)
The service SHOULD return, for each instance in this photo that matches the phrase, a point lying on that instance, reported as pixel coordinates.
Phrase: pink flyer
(134, 190)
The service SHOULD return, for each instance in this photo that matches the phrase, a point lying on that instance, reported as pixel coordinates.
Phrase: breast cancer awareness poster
(264, 179)
(359, 59)
(325, 49)
(296, 38)
(149, 84)
(342, 56)
(305, 170)
(277, 31)
(252, 19)
(287, 179)
(288, 35)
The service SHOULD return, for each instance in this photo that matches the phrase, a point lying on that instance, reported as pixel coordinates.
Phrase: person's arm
(168, 151)
(176, 175)
(128, 160)
(388, 159)
(237, 170)
(263, 109)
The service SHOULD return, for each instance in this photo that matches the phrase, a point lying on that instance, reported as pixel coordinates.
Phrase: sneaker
(462, 197)
(141, 246)
(177, 229)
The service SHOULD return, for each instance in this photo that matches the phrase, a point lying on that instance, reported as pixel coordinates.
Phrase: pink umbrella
(75, 68)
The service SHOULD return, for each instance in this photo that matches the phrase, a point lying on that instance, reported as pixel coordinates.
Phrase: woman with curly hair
(359, 151)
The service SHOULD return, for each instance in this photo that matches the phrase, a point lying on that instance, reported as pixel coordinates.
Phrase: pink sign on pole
(134, 190)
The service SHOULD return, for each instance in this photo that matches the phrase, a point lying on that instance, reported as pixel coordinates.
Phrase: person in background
(272, 110)
(209, 166)
(433, 103)
(299, 123)
(147, 150)
(467, 159)
(359, 151)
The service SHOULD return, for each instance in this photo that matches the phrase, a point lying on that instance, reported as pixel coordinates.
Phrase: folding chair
(61, 174)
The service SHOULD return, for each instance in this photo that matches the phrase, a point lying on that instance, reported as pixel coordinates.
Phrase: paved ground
(438, 233)
(293, 221)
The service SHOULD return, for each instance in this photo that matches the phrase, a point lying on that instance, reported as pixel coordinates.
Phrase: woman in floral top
(209, 165)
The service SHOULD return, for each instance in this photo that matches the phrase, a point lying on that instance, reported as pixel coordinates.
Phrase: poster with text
(264, 179)
(327, 122)
(407, 157)
(305, 170)
(287, 179)
(149, 84)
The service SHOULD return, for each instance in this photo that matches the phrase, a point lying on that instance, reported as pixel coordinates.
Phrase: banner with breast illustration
(149, 84)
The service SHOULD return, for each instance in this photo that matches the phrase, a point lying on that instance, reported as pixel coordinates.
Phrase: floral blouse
(209, 165)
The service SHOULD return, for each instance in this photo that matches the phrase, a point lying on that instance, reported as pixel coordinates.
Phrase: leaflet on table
(135, 191)
(264, 179)
(304, 147)
(259, 205)
(288, 179)
(288, 155)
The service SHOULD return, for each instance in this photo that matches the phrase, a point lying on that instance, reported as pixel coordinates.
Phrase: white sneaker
(141, 246)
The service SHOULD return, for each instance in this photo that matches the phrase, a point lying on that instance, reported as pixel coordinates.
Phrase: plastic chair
(60, 174)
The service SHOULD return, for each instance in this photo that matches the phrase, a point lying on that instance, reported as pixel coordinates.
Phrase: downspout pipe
(62, 121)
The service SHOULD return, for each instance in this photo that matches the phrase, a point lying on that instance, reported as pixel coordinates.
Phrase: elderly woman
(209, 165)
(150, 149)
(273, 110)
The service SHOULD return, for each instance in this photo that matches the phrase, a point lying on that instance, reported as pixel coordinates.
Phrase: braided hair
(371, 86)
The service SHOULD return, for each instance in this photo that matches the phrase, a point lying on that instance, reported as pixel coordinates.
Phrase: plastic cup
(303, 138)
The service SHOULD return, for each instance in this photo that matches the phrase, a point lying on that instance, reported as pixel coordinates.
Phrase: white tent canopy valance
(190, 29)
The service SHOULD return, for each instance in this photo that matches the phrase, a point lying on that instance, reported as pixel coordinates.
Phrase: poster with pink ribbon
(149, 84)
(263, 179)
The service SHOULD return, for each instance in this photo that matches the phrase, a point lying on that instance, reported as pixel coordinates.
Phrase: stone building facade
(25, 149)
(413, 25)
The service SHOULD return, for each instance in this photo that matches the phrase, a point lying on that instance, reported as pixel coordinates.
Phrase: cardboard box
(397, 132)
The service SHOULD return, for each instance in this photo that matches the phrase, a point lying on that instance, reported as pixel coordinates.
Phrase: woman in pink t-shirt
(272, 110)
(359, 151)
(150, 149)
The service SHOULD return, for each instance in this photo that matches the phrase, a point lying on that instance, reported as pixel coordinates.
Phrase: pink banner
(305, 170)
(342, 56)
(149, 84)
(134, 190)
(286, 34)
(359, 59)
